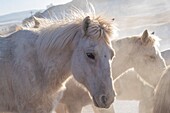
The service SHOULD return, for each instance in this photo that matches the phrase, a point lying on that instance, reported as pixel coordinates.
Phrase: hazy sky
(10, 6)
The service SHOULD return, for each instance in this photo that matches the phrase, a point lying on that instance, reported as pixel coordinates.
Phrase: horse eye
(152, 58)
(90, 55)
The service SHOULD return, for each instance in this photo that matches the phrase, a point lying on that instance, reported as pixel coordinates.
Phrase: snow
(119, 106)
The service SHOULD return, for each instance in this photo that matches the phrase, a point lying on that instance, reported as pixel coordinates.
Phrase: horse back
(17, 52)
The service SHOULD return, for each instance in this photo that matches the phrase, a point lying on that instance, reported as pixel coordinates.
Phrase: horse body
(162, 92)
(35, 64)
(144, 56)
(24, 88)
(139, 52)
(161, 99)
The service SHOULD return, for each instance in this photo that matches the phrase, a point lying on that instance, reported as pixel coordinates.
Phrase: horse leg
(40, 106)
(74, 108)
(98, 110)
(146, 106)
(61, 108)
(69, 108)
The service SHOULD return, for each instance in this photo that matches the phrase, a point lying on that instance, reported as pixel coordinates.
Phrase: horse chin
(95, 103)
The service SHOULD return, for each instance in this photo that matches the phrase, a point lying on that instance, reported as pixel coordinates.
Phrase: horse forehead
(152, 50)
(103, 48)
(99, 45)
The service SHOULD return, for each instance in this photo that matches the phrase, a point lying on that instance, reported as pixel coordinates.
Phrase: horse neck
(56, 60)
(119, 69)
(151, 75)
(122, 62)
(57, 69)
(151, 79)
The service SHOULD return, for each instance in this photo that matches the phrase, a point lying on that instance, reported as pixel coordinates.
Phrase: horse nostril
(103, 99)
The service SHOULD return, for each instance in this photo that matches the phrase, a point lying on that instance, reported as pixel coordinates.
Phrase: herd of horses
(75, 62)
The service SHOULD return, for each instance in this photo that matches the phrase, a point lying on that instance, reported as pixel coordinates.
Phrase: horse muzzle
(103, 101)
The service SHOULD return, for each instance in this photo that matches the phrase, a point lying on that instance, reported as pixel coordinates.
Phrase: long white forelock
(75, 17)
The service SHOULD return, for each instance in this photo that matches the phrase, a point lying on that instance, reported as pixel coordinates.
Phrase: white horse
(35, 64)
(148, 63)
(162, 94)
(140, 52)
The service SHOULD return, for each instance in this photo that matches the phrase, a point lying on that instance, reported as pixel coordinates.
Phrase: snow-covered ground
(119, 106)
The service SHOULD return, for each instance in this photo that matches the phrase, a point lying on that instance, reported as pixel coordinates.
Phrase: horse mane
(162, 92)
(69, 27)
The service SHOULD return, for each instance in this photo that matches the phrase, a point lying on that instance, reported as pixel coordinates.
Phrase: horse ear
(86, 23)
(145, 36)
(37, 23)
